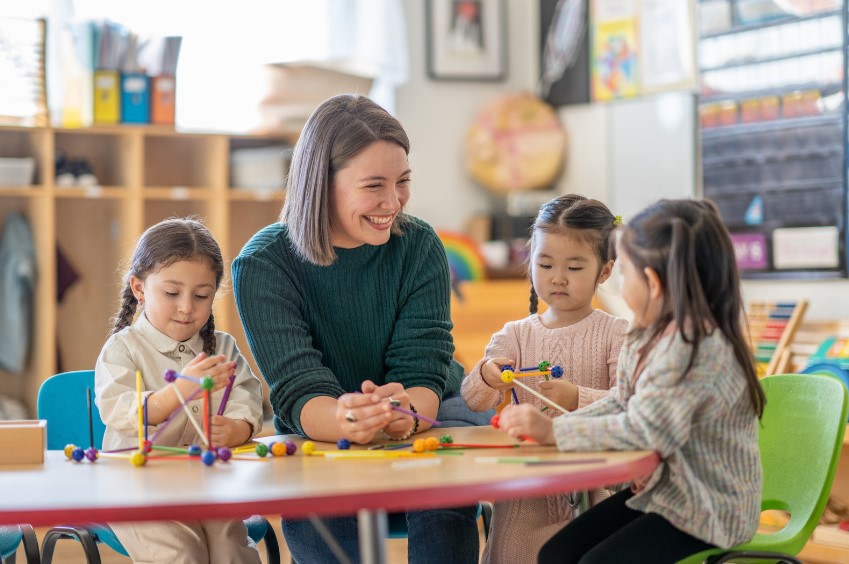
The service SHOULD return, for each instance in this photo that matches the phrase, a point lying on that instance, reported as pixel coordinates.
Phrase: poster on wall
(614, 57)
(667, 56)
(564, 52)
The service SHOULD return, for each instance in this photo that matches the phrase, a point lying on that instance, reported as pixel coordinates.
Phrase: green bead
(207, 383)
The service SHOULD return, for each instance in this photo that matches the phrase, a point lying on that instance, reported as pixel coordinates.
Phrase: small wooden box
(22, 442)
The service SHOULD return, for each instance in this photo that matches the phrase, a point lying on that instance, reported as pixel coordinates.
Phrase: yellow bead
(507, 376)
(69, 448)
(308, 447)
(419, 445)
(138, 458)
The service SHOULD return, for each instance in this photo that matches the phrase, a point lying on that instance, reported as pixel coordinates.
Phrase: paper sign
(806, 247)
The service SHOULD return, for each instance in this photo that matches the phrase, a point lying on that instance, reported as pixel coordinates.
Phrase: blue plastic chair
(58, 399)
(11, 537)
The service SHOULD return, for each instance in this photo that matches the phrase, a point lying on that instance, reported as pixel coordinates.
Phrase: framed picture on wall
(466, 40)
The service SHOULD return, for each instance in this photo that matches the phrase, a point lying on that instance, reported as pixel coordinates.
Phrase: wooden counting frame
(772, 326)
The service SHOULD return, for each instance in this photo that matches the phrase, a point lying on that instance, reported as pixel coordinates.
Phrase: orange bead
(419, 445)
(431, 443)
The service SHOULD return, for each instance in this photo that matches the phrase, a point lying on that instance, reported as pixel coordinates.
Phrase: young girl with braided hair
(686, 388)
(571, 254)
(175, 272)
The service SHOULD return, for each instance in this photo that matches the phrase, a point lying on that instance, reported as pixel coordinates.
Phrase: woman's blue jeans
(447, 536)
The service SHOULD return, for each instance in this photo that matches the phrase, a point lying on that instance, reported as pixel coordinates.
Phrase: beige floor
(69, 552)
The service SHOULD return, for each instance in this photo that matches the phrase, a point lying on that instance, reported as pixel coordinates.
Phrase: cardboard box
(22, 442)
(295, 89)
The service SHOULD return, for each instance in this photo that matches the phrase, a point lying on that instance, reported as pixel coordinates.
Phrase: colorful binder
(135, 98)
(107, 97)
(163, 92)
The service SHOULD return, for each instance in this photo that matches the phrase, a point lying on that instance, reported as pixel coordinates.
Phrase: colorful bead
(431, 443)
(69, 449)
(291, 447)
(170, 375)
(138, 458)
(308, 447)
(261, 449)
(419, 445)
(147, 446)
(556, 372)
(224, 454)
(507, 376)
(194, 450)
(343, 444)
(207, 383)
(544, 366)
(495, 420)
(78, 454)
(446, 439)
(208, 457)
(278, 449)
(91, 454)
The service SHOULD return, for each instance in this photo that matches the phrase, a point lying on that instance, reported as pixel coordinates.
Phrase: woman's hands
(399, 423)
(526, 422)
(362, 415)
(491, 372)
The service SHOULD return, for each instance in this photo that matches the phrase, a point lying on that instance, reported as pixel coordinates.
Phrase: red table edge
(346, 504)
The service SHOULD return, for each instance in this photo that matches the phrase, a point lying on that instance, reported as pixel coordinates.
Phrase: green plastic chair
(62, 402)
(800, 440)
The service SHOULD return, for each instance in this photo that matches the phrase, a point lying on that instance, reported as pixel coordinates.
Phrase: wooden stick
(140, 408)
(189, 415)
(540, 396)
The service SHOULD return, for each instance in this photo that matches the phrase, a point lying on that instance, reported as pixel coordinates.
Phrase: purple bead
(224, 454)
(343, 444)
(78, 454)
(291, 447)
(208, 457)
(170, 375)
(556, 372)
(194, 450)
(91, 454)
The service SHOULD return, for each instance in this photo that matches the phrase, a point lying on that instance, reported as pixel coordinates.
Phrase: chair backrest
(801, 437)
(62, 403)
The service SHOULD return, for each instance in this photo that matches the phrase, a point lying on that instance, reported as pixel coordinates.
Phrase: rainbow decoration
(464, 257)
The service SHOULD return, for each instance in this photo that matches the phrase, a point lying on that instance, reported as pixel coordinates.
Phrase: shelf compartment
(186, 161)
(89, 234)
(18, 143)
(91, 192)
(110, 155)
(157, 210)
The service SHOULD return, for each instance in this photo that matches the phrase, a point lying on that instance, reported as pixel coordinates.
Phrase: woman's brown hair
(336, 132)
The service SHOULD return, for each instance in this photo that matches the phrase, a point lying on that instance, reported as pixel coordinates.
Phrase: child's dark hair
(169, 241)
(686, 244)
(584, 218)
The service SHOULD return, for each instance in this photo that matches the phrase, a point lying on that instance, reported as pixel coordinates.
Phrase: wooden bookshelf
(145, 174)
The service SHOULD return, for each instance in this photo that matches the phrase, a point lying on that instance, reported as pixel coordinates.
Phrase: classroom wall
(436, 114)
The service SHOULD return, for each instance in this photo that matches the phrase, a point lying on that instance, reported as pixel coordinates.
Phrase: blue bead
(208, 457)
(343, 444)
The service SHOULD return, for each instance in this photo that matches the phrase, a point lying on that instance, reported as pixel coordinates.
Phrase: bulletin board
(773, 137)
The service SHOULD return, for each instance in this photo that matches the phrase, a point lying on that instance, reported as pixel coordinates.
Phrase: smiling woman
(346, 306)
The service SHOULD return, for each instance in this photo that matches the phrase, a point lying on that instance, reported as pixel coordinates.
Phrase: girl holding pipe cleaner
(175, 272)
(571, 254)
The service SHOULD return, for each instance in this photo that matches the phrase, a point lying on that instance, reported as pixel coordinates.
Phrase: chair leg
(272, 548)
(30, 542)
(486, 517)
(757, 555)
(87, 541)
